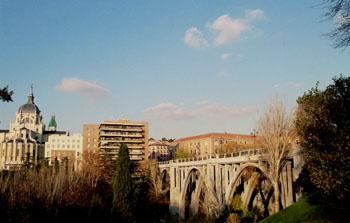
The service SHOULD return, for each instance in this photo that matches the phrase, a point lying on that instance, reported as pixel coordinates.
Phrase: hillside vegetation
(309, 209)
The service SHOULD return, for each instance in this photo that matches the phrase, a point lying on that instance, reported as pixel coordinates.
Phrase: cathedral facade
(25, 138)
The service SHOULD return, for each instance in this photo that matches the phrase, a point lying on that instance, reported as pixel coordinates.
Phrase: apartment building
(134, 134)
(90, 138)
(212, 143)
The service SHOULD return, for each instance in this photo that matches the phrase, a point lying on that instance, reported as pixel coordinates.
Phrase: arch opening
(254, 191)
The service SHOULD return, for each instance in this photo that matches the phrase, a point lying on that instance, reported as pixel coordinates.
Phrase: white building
(63, 146)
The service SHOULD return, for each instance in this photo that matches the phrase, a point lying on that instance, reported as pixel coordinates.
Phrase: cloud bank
(203, 109)
(90, 90)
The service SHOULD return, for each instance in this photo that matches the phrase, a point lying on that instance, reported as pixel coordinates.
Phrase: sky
(187, 67)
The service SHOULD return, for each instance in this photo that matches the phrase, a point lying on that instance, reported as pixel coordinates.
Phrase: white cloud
(160, 107)
(255, 14)
(276, 86)
(91, 90)
(228, 111)
(203, 110)
(296, 84)
(195, 39)
(229, 30)
(226, 56)
(167, 111)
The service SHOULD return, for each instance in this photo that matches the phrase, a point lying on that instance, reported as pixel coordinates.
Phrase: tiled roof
(216, 135)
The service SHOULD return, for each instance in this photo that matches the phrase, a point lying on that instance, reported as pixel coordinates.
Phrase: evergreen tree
(123, 187)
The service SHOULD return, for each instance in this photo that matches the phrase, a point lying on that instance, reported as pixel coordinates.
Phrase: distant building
(61, 145)
(134, 134)
(158, 150)
(212, 143)
(90, 138)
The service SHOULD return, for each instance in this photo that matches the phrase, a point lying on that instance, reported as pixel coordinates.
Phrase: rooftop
(215, 135)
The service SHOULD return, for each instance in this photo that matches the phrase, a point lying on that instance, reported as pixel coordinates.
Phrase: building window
(48, 145)
(58, 140)
(64, 153)
(62, 140)
(63, 146)
(53, 153)
(78, 140)
(73, 146)
(58, 153)
(53, 140)
(78, 146)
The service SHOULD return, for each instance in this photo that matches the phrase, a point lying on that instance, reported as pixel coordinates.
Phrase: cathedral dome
(29, 107)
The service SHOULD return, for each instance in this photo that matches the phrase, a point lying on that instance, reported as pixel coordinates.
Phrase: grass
(309, 209)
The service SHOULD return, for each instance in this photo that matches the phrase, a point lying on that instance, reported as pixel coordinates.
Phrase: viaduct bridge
(210, 183)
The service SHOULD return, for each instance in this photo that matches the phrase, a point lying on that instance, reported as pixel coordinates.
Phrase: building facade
(61, 145)
(90, 138)
(158, 150)
(112, 134)
(212, 143)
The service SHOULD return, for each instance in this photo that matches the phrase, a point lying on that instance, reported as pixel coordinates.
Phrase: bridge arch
(164, 179)
(193, 193)
(237, 177)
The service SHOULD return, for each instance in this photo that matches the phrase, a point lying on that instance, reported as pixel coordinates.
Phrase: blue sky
(186, 67)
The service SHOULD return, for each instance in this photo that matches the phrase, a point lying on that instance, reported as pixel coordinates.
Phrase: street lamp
(254, 133)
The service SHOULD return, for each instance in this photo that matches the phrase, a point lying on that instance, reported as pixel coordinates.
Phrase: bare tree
(339, 11)
(277, 137)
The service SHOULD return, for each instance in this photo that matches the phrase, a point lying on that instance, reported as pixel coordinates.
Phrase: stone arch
(237, 176)
(201, 180)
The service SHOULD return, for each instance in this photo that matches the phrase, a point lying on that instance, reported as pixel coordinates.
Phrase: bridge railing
(243, 153)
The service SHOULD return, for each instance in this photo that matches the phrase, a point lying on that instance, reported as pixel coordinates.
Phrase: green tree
(123, 187)
(5, 94)
(323, 124)
(182, 154)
